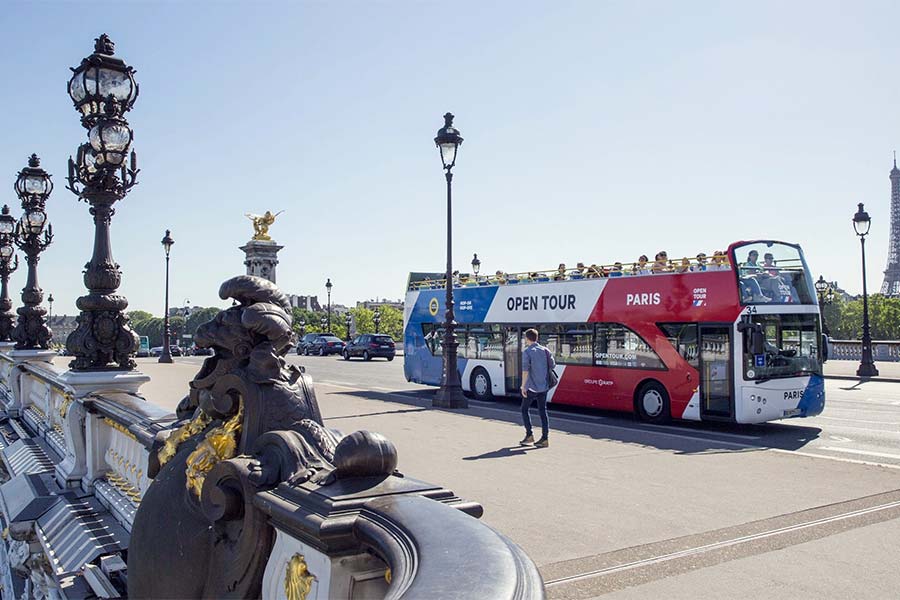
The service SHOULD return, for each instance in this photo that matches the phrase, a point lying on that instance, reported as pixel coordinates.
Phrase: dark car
(325, 345)
(370, 345)
(198, 351)
(307, 340)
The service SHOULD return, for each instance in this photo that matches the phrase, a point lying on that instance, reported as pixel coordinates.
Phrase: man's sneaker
(528, 439)
(542, 443)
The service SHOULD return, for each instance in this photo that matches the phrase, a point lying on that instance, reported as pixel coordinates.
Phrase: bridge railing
(882, 350)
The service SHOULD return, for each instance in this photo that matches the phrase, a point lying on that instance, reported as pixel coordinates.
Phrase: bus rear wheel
(652, 403)
(480, 385)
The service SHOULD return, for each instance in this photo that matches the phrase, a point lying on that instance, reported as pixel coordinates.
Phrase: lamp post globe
(476, 265)
(32, 234)
(103, 90)
(822, 288)
(328, 286)
(323, 322)
(450, 394)
(861, 224)
(302, 324)
(166, 355)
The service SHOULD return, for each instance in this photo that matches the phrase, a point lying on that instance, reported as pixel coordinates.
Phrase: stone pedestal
(37, 357)
(261, 258)
(88, 382)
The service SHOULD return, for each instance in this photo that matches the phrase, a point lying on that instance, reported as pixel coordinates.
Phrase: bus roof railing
(717, 262)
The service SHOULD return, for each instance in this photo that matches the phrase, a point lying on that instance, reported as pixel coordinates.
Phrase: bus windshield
(772, 273)
(791, 347)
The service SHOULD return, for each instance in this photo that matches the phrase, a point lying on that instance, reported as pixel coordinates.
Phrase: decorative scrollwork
(297, 578)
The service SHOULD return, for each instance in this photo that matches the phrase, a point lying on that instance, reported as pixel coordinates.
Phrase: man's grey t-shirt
(535, 360)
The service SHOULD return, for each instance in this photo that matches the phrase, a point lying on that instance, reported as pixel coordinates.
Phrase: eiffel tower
(891, 285)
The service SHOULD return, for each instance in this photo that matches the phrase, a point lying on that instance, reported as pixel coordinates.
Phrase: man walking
(536, 365)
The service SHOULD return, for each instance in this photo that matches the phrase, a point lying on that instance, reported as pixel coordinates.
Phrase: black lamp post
(33, 186)
(328, 287)
(166, 354)
(103, 89)
(302, 324)
(376, 319)
(8, 263)
(861, 224)
(323, 322)
(348, 319)
(822, 289)
(450, 394)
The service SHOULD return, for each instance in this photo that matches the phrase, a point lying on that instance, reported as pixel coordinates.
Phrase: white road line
(868, 463)
(723, 544)
(861, 452)
(859, 421)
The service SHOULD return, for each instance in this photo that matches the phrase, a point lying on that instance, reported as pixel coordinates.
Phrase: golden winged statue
(261, 224)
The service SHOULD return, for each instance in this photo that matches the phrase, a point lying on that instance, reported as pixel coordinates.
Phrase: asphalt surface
(861, 421)
(620, 509)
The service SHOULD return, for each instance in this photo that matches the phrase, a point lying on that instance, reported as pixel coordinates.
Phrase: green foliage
(845, 319)
(391, 322)
(145, 323)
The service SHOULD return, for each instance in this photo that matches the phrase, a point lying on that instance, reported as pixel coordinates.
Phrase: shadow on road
(503, 452)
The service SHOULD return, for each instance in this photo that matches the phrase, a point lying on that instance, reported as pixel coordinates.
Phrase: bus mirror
(757, 340)
(824, 347)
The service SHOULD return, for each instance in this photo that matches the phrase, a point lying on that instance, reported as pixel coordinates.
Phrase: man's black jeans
(527, 401)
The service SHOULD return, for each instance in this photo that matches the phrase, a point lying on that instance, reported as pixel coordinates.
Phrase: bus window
(791, 347)
(483, 342)
(683, 337)
(576, 345)
(773, 273)
(617, 346)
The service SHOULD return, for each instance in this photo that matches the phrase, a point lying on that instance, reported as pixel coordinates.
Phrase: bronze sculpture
(261, 224)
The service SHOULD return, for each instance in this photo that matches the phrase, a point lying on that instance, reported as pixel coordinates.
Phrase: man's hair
(531, 334)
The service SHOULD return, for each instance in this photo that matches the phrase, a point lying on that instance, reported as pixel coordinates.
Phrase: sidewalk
(846, 369)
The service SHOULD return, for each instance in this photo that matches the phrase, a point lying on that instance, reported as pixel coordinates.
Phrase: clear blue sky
(594, 131)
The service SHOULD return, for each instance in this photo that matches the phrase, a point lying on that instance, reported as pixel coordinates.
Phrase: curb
(863, 379)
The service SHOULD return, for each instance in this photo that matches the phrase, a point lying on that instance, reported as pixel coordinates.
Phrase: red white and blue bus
(737, 339)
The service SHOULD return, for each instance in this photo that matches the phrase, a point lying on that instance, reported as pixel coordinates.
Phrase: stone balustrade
(882, 350)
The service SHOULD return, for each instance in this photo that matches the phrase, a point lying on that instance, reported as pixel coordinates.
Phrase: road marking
(723, 544)
(859, 421)
(861, 452)
(854, 461)
(839, 438)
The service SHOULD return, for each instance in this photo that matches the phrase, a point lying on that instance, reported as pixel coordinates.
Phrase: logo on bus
(433, 307)
(642, 299)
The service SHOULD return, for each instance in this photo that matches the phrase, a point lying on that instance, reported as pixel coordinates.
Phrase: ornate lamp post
(328, 286)
(50, 303)
(376, 319)
(822, 289)
(861, 224)
(476, 266)
(348, 320)
(8, 263)
(103, 90)
(166, 354)
(450, 395)
(33, 234)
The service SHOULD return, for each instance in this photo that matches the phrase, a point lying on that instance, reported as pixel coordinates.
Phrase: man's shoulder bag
(552, 377)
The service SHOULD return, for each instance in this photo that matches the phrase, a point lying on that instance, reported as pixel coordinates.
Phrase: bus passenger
(685, 265)
(661, 264)
(578, 272)
(718, 262)
(769, 264)
(501, 277)
(701, 263)
(560, 273)
(616, 270)
(640, 268)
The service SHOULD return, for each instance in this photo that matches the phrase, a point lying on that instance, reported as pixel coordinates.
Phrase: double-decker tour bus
(734, 338)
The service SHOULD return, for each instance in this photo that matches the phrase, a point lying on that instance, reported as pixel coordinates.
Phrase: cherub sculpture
(261, 224)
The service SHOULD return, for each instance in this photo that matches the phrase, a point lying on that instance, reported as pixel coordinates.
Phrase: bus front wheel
(480, 385)
(653, 403)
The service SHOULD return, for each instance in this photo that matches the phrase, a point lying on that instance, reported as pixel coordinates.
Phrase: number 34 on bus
(734, 339)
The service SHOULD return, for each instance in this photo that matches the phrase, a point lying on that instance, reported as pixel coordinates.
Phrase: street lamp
(376, 319)
(328, 287)
(476, 265)
(302, 324)
(32, 235)
(822, 289)
(103, 89)
(8, 263)
(348, 319)
(323, 322)
(166, 354)
(450, 394)
(861, 224)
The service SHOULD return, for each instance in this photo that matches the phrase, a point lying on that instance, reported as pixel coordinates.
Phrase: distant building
(372, 304)
(891, 285)
(304, 302)
(61, 326)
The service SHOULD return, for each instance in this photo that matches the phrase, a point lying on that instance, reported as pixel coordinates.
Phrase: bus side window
(683, 337)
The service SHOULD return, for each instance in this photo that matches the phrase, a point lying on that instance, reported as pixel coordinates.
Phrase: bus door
(716, 397)
(512, 358)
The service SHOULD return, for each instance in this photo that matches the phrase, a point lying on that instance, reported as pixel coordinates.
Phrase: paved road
(861, 421)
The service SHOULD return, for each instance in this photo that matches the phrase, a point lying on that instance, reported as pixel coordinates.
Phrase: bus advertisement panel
(699, 341)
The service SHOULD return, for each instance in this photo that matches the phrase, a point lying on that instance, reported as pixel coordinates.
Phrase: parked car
(307, 340)
(324, 345)
(173, 350)
(370, 345)
(198, 351)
